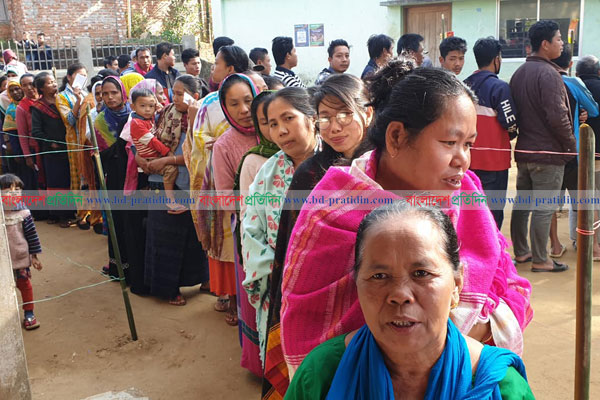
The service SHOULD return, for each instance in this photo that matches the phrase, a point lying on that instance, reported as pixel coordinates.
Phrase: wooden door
(427, 22)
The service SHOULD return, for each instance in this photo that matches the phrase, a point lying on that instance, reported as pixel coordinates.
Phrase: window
(517, 16)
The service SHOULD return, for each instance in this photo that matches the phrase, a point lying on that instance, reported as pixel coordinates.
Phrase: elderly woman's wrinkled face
(406, 284)
(16, 93)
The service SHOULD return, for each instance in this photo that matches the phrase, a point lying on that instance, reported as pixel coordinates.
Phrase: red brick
(67, 19)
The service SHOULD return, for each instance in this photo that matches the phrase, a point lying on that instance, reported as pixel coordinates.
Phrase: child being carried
(146, 144)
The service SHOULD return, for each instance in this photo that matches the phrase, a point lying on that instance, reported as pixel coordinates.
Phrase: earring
(453, 306)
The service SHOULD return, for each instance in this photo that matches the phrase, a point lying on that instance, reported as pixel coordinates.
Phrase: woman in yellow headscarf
(130, 80)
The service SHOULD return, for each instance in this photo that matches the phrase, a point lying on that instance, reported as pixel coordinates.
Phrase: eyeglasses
(343, 118)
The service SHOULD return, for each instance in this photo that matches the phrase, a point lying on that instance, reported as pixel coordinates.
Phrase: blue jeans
(496, 181)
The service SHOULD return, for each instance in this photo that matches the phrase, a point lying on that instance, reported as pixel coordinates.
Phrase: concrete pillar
(189, 42)
(205, 71)
(14, 379)
(84, 53)
(217, 18)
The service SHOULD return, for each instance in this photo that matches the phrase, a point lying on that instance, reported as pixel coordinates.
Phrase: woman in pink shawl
(423, 131)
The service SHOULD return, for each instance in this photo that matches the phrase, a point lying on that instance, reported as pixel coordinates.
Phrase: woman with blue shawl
(408, 277)
(108, 126)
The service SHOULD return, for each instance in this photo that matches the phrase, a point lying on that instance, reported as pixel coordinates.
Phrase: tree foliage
(182, 19)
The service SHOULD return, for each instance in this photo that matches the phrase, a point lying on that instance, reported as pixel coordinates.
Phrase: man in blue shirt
(339, 60)
(380, 51)
(163, 71)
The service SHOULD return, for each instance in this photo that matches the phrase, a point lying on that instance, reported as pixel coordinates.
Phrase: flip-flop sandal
(98, 228)
(30, 323)
(106, 270)
(178, 301)
(231, 319)
(559, 255)
(83, 225)
(528, 259)
(67, 224)
(222, 305)
(557, 267)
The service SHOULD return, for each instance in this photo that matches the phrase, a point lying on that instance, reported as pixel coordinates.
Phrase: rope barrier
(70, 260)
(589, 233)
(46, 140)
(46, 152)
(89, 147)
(84, 147)
(69, 292)
(557, 153)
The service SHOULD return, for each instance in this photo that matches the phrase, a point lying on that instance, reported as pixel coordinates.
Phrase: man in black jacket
(545, 124)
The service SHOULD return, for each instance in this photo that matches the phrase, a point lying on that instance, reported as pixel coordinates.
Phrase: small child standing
(147, 145)
(24, 245)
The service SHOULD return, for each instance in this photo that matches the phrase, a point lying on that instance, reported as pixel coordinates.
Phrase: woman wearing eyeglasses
(343, 118)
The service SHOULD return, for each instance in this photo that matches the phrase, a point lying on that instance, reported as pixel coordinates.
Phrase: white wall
(254, 23)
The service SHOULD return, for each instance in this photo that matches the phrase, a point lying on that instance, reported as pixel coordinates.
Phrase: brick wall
(60, 19)
(69, 18)
(5, 31)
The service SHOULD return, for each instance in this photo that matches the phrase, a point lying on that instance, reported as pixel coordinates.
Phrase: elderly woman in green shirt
(408, 276)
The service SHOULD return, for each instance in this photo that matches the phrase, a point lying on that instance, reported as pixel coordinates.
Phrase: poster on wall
(301, 35)
(317, 35)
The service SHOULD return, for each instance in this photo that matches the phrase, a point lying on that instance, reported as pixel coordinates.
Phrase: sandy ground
(83, 347)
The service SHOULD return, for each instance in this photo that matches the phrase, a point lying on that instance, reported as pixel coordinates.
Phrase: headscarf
(26, 104)
(10, 120)
(94, 87)
(130, 80)
(254, 91)
(116, 119)
(14, 69)
(109, 123)
(362, 373)
(149, 84)
(8, 56)
(265, 148)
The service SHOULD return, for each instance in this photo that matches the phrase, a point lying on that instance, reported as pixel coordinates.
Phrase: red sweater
(146, 144)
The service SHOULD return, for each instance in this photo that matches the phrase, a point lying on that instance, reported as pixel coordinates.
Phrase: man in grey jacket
(545, 124)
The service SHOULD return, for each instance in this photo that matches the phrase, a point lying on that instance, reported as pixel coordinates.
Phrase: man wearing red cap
(11, 60)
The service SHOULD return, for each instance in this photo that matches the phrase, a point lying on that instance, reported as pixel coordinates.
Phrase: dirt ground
(83, 346)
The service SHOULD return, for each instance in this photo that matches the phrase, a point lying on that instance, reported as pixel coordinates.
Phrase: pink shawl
(319, 299)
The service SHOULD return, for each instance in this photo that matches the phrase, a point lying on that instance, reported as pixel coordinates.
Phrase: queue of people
(331, 301)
